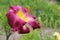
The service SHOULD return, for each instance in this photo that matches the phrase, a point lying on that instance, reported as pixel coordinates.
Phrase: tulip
(18, 17)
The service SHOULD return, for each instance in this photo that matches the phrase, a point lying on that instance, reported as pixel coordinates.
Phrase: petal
(18, 25)
(25, 11)
(23, 30)
(34, 24)
(10, 17)
(14, 8)
(14, 21)
(32, 16)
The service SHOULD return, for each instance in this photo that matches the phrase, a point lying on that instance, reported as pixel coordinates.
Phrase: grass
(47, 14)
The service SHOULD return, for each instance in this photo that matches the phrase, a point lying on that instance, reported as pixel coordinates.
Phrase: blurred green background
(47, 12)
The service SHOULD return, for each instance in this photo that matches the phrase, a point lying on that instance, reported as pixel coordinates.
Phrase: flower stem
(7, 33)
(7, 36)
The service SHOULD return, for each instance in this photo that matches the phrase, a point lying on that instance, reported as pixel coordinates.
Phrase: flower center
(22, 16)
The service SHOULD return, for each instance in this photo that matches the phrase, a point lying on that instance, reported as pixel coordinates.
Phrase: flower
(18, 17)
(57, 35)
(58, 8)
(0, 14)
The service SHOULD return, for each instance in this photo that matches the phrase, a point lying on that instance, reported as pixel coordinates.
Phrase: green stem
(7, 33)
(7, 37)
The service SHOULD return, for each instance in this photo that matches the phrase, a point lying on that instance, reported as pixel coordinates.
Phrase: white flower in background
(57, 35)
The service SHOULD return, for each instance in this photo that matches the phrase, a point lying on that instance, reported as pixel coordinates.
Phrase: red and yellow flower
(18, 17)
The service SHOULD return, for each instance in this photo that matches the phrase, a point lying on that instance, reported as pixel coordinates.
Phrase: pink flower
(18, 16)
